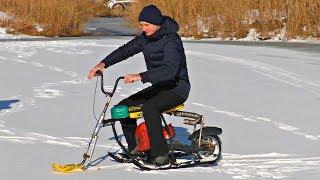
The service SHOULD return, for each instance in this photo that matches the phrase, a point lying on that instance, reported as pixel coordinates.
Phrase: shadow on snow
(6, 104)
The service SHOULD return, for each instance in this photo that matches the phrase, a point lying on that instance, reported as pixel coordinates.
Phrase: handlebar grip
(99, 73)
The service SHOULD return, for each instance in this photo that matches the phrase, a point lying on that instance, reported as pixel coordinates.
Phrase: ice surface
(265, 99)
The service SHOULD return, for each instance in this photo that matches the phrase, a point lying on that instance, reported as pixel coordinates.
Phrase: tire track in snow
(51, 93)
(16, 136)
(266, 70)
(231, 164)
(24, 103)
(28, 49)
(254, 119)
(271, 165)
(3, 59)
(252, 166)
(51, 68)
(21, 137)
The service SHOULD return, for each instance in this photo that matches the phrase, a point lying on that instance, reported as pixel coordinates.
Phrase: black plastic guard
(206, 131)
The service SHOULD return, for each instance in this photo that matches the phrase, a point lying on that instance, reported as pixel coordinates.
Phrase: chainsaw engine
(142, 137)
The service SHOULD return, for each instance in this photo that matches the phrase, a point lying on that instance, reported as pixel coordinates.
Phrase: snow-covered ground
(266, 100)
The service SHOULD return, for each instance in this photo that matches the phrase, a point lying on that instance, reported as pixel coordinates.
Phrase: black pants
(155, 100)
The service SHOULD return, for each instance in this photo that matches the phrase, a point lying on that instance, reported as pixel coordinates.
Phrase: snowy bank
(3, 31)
(254, 36)
(4, 35)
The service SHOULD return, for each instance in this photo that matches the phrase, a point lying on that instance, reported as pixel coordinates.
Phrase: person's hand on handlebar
(130, 78)
(93, 71)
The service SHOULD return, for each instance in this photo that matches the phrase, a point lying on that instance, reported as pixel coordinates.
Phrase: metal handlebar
(99, 73)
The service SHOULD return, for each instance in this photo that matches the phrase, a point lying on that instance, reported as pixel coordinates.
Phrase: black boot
(160, 160)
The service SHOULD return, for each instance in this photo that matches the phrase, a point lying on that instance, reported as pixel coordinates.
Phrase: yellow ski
(68, 168)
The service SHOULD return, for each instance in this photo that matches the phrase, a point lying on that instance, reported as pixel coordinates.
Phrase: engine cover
(142, 137)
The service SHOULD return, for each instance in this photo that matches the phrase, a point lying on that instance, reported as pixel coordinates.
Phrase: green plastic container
(119, 112)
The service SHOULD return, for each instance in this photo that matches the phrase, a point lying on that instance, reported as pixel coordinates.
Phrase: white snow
(60, 143)
(252, 36)
(5, 16)
(4, 35)
(39, 27)
(265, 99)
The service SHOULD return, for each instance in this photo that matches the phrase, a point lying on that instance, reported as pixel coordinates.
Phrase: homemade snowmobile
(204, 147)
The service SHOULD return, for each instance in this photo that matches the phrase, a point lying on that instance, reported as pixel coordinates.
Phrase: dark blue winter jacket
(164, 56)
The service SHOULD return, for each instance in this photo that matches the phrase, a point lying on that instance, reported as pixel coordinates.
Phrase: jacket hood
(168, 26)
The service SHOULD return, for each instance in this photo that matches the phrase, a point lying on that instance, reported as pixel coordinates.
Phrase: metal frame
(87, 156)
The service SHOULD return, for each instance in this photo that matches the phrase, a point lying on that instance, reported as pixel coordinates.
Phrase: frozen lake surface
(266, 100)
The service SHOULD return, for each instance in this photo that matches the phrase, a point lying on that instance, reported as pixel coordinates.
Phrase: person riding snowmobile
(166, 70)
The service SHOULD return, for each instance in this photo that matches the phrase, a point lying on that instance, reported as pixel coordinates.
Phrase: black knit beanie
(151, 14)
